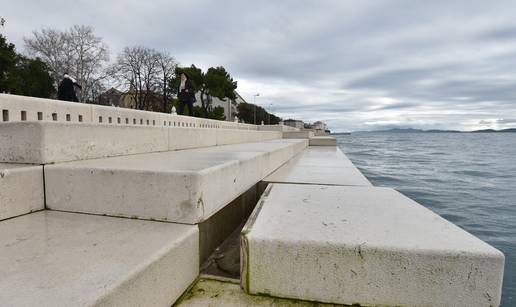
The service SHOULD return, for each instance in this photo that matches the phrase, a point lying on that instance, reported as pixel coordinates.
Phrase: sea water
(467, 178)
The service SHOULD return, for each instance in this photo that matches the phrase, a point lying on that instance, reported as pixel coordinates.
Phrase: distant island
(412, 130)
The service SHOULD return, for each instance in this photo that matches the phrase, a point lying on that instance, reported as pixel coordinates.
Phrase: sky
(356, 65)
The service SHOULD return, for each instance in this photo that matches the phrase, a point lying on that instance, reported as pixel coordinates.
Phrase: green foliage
(31, 78)
(23, 76)
(247, 111)
(7, 63)
(220, 84)
(195, 74)
(216, 82)
(217, 113)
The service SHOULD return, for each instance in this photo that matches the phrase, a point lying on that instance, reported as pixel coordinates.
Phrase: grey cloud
(438, 63)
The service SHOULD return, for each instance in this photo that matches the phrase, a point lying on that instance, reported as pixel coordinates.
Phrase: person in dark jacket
(186, 94)
(66, 89)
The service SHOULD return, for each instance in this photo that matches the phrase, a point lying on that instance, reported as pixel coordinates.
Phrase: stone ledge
(323, 141)
(364, 245)
(185, 186)
(51, 142)
(319, 165)
(65, 259)
(304, 134)
(21, 189)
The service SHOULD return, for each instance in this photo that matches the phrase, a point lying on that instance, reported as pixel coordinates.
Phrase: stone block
(323, 141)
(48, 142)
(319, 165)
(186, 138)
(186, 186)
(21, 189)
(303, 134)
(65, 259)
(364, 245)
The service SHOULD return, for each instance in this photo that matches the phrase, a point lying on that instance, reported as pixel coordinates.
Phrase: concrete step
(303, 134)
(51, 142)
(319, 165)
(323, 141)
(21, 189)
(65, 259)
(363, 245)
(185, 186)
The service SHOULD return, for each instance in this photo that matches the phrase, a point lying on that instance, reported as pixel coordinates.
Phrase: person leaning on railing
(66, 89)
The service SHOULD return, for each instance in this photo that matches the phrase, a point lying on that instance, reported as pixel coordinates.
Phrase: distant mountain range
(412, 130)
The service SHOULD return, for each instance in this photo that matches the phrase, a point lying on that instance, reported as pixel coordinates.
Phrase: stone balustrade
(20, 108)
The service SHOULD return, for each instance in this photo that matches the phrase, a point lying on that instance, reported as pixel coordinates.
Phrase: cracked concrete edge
(244, 243)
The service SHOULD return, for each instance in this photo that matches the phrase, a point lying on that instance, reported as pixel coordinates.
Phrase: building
(229, 106)
(294, 123)
(318, 125)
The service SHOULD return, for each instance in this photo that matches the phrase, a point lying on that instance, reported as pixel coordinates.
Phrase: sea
(467, 178)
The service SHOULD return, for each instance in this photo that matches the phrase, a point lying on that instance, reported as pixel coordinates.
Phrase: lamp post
(254, 102)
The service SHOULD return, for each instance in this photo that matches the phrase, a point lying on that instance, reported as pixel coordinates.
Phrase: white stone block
(303, 134)
(47, 142)
(319, 165)
(323, 141)
(364, 245)
(186, 186)
(185, 138)
(65, 259)
(21, 189)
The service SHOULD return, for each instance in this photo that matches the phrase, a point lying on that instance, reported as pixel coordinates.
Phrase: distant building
(318, 125)
(116, 98)
(111, 97)
(229, 106)
(294, 123)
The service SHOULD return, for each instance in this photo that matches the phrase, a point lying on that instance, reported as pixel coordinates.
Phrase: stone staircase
(108, 207)
(105, 206)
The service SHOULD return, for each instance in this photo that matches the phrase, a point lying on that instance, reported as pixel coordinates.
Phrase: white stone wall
(21, 108)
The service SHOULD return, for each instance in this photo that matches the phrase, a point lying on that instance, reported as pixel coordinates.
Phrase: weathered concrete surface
(22, 108)
(323, 141)
(186, 138)
(303, 134)
(48, 142)
(51, 142)
(365, 245)
(21, 189)
(185, 186)
(213, 293)
(233, 136)
(48, 109)
(319, 165)
(276, 128)
(66, 259)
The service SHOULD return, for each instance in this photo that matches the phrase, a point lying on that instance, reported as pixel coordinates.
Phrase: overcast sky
(357, 65)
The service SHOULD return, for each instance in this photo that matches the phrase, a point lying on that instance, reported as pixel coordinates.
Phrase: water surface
(467, 178)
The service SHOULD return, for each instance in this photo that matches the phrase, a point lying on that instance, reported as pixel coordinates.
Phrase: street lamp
(254, 102)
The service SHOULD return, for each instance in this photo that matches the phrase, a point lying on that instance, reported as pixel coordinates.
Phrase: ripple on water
(468, 179)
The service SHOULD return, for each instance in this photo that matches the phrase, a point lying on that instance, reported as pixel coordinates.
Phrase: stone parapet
(16, 108)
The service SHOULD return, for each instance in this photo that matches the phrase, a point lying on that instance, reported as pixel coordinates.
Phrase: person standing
(186, 94)
(66, 89)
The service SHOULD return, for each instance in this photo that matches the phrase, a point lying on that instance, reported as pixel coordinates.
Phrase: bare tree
(76, 51)
(144, 72)
(167, 66)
